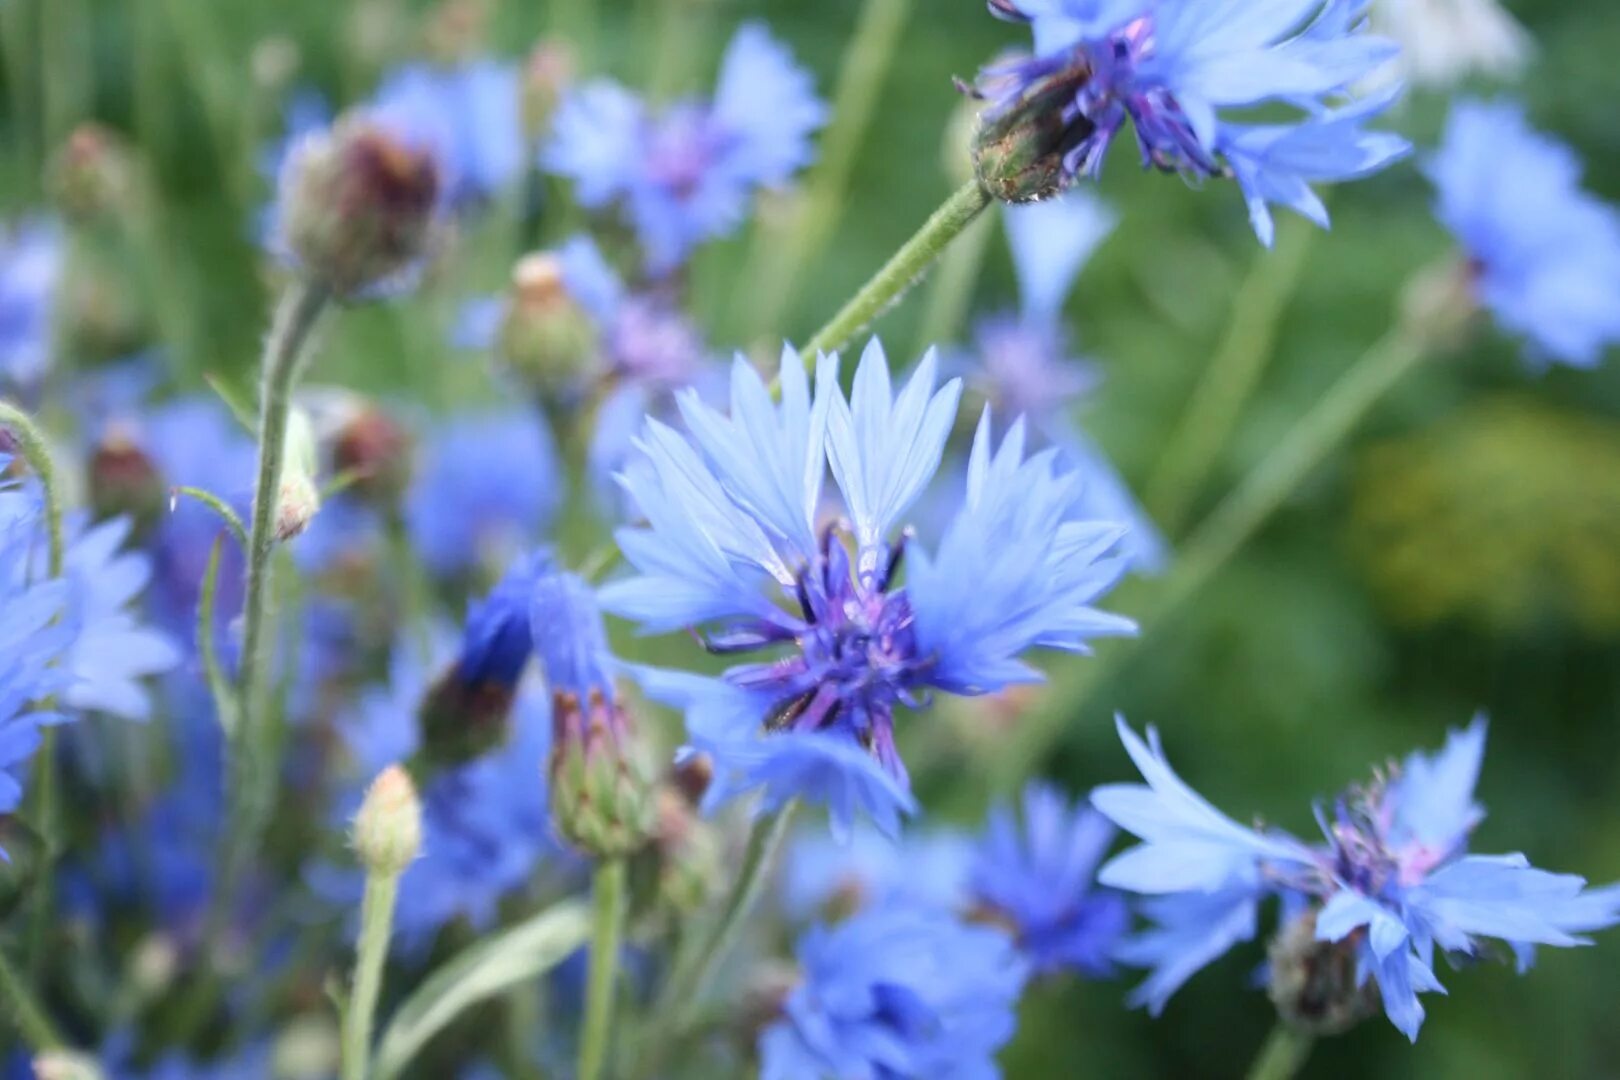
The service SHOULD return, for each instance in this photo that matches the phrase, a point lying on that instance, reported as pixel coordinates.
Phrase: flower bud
(66, 1065)
(601, 796)
(546, 336)
(93, 173)
(1021, 148)
(357, 205)
(375, 450)
(1441, 301)
(463, 718)
(1313, 983)
(274, 62)
(388, 828)
(123, 478)
(547, 75)
(687, 854)
(298, 499)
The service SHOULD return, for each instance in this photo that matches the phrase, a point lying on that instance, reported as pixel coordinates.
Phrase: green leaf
(481, 972)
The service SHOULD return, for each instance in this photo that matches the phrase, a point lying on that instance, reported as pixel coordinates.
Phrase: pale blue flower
(1544, 254)
(470, 114)
(686, 173)
(1393, 879)
(31, 257)
(894, 992)
(731, 536)
(1176, 71)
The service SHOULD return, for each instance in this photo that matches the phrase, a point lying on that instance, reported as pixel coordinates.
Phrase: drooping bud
(358, 205)
(123, 478)
(67, 1065)
(601, 792)
(466, 711)
(1022, 148)
(546, 337)
(298, 500)
(1313, 983)
(547, 75)
(388, 828)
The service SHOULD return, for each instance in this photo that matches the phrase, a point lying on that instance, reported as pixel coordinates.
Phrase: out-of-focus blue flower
(731, 534)
(469, 114)
(1544, 253)
(484, 824)
(1025, 367)
(896, 992)
(30, 269)
(485, 486)
(1035, 876)
(35, 635)
(922, 870)
(685, 175)
(113, 650)
(1174, 70)
(1392, 881)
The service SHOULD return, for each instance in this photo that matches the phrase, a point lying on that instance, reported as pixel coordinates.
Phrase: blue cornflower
(1391, 883)
(485, 486)
(31, 256)
(685, 174)
(1544, 255)
(731, 534)
(1025, 367)
(469, 114)
(484, 823)
(1173, 69)
(896, 992)
(1035, 876)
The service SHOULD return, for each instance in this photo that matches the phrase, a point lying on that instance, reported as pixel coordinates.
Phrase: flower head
(1035, 876)
(486, 484)
(1391, 882)
(896, 992)
(1544, 255)
(1173, 70)
(31, 256)
(685, 175)
(731, 547)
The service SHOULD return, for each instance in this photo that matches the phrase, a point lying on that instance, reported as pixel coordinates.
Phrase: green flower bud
(547, 338)
(1019, 151)
(388, 828)
(1313, 983)
(602, 799)
(124, 480)
(462, 720)
(357, 205)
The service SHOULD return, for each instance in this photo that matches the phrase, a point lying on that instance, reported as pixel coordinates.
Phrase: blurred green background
(1462, 554)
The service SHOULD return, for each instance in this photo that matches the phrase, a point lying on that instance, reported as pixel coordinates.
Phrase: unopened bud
(124, 479)
(601, 796)
(547, 75)
(546, 337)
(1021, 147)
(274, 61)
(92, 173)
(388, 828)
(687, 853)
(308, 1048)
(298, 500)
(153, 965)
(463, 719)
(374, 449)
(67, 1065)
(1313, 983)
(1440, 303)
(357, 205)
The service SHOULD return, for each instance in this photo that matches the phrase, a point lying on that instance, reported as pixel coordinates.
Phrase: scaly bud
(601, 796)
(546, 337)
(357, 205)
(1313, 983)
(372, 447)
(1020, 151)
(388, 828)
(123, 478)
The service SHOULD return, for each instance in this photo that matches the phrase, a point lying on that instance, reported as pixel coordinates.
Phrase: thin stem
(777, 263)
(36, 1027)
(376, 926)
(688, 983)
(1230, 378)
(1227, 529)
(31, 441)
(253, 774)
(901, 271)
(952, 286)
(607, 929)
(1282, 1055)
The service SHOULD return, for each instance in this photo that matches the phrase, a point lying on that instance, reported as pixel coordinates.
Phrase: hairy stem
(607, 885)
(902, 270)
(1282, 1055)
(376, 926)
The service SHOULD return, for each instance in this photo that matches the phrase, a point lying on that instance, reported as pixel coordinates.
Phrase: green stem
(901, 271)
(253, 773)
(31, 441)
(952, 286)
(777, 263)
(376, 926)
(1230, 377)
(36, 1028)
(608, 927)
(1231, 525)
(1282, 1055)
(683, 994)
